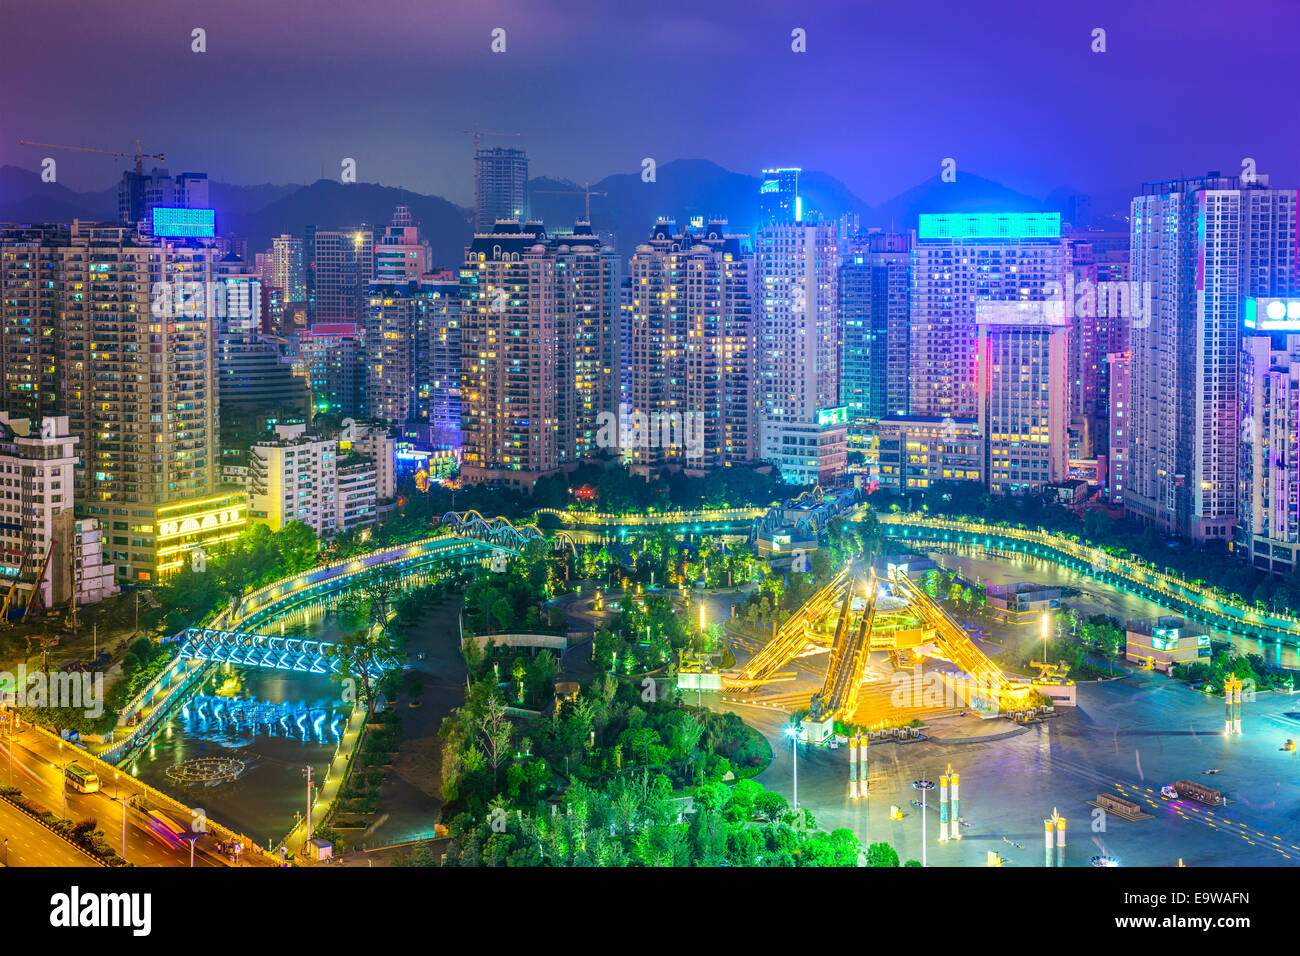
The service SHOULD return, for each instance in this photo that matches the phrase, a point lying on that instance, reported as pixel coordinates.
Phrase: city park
(641, 684)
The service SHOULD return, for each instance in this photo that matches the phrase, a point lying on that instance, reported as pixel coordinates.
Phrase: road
(33, 764)
(30, 844)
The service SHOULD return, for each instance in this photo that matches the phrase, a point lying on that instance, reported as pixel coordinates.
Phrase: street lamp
(924, 786)
(793, 734)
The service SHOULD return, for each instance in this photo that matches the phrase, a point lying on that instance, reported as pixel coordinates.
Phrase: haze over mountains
(629, 207)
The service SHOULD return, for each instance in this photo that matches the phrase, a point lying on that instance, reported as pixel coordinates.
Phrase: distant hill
(629, 207)
(328, 203)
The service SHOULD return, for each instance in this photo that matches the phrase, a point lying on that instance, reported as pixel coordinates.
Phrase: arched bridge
(281, 653)
(1193, 599)
(501, 532)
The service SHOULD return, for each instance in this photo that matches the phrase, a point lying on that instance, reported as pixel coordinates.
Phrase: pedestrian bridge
(281, 653)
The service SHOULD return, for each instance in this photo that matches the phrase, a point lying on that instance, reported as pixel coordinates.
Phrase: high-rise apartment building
(509, 338)
(778, 196)
(288, 271)
(959, 260)
(134, 371)
(500, 187)
(340, 272)
(875, 280)
(689, 397)
(42, 547)
(802, 427)
(1204, 245)
(587, 361)
(330, 359)
(1268, 503)
(31, 334)
(1103, 303)
(443, 400)
(400, 255)
(1022, 370)
(399, 350)
(1119, 411)
(539, 350)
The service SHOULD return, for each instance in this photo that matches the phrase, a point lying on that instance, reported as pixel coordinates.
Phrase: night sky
(287, 88)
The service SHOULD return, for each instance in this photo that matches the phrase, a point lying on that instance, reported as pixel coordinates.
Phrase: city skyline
(750, 432)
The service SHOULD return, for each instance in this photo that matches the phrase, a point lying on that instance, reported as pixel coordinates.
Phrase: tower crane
(586, 191)
(138, 155)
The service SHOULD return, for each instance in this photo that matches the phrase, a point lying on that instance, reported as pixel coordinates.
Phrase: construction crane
(9, 595)
(586, 190)
(36, 586)
(35, 596)
(139, 156)
(477, 133)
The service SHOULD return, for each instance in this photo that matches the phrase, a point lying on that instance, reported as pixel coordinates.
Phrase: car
(1169, 791)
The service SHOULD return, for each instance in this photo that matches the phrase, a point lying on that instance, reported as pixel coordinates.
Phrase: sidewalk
(328, 791)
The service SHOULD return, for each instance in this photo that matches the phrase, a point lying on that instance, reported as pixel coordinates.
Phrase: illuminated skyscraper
(340, 272)
(1022, 364)
(958, 261)
(1204, 245)
(874, 301)
(509, 339)
(288, 271)
(31, 335)
(587, 287)
(1268, 508)
(400, 255)
(802, 427)
(691, 356)
(1102, 307)
(778, 197)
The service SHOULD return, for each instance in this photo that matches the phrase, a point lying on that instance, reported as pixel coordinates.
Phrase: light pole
(924, 786)
(793, 734)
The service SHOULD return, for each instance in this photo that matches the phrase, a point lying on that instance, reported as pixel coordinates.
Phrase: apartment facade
(959, 260)
(690, 350)
(802, 427)
(1022, 374)
(1204, 245)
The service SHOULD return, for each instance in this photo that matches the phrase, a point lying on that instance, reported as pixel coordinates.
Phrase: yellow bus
(79, 778)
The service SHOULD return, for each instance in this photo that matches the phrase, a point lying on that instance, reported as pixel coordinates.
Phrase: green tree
(881, 854)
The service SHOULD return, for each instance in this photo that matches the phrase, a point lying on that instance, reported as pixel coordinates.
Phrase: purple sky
(1010, 88)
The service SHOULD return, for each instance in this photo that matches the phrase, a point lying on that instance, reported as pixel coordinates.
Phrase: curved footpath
(1129, 574)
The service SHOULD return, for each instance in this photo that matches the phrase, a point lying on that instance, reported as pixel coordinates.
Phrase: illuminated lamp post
(925, 786)
(793, 734)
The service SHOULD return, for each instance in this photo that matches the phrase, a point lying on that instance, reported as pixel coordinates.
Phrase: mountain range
(621, 204)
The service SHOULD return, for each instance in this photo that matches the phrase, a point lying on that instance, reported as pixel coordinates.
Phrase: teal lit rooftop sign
(989, 225)
(173, 221)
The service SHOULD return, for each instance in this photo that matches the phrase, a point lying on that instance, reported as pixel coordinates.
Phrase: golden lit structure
(928, 631)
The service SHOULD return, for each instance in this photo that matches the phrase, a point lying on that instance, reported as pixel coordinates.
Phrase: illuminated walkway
(1202, 604)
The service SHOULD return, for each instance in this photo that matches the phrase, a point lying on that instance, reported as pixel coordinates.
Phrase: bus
(81, 779)
(165, 827)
